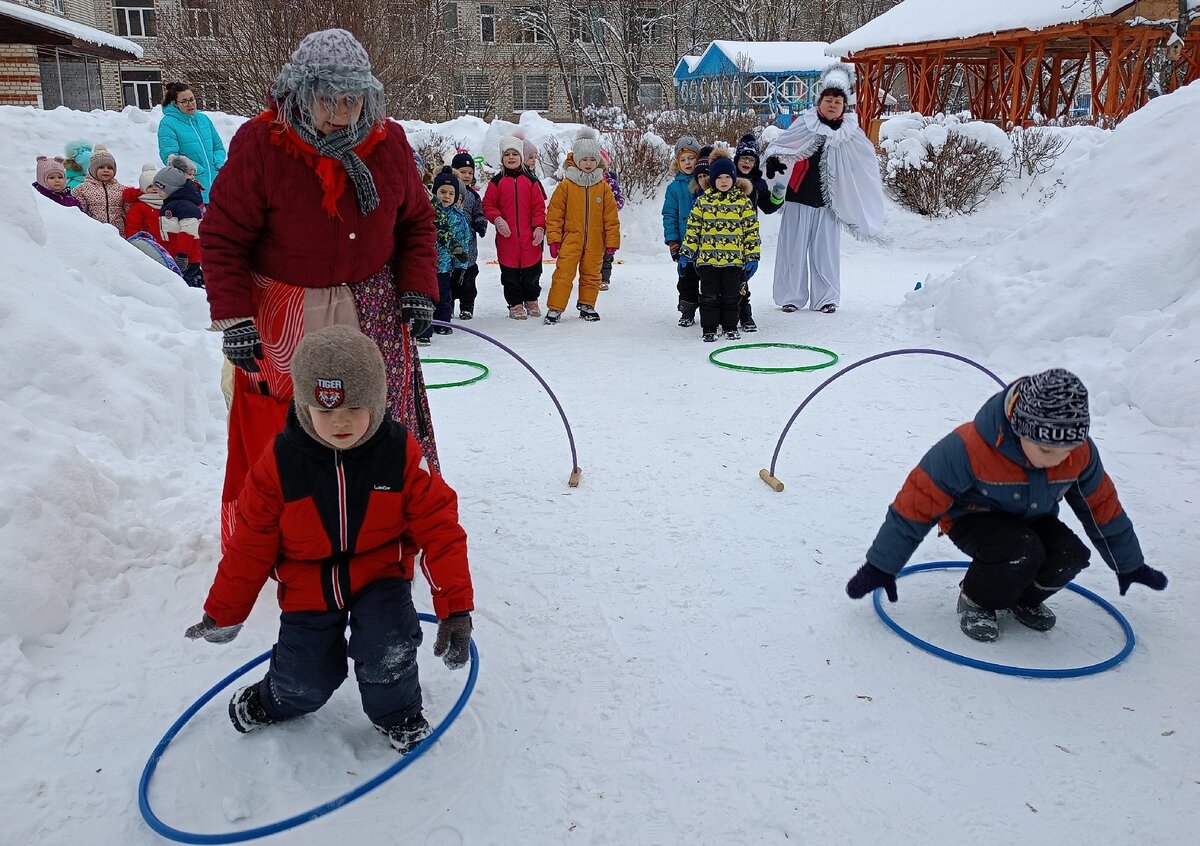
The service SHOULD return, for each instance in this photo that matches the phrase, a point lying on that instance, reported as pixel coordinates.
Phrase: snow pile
(1113, 263)
(93, 332)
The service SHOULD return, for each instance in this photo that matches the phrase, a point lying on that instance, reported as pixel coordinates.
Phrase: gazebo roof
(22, 25)
(917, 21)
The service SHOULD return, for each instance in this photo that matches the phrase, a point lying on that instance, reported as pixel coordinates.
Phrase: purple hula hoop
(566, 424)
(918, 351)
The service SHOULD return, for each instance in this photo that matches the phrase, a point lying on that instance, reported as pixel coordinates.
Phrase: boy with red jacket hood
(516, 205)
(334, 511)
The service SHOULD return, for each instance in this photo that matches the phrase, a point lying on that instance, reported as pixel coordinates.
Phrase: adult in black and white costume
(826, 169)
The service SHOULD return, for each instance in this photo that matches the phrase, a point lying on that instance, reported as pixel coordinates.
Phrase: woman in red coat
(317, 218)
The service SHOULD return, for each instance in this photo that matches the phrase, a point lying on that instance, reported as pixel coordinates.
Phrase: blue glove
(684, 261)
(751, 269)
(868, 578)
(1144, 575)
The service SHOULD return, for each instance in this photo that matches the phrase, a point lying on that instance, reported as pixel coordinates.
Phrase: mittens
(867, 579)
(242, 345)
(208, 629)
(502, 227)
(453, 644)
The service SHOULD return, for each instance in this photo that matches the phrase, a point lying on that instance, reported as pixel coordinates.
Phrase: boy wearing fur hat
(453, 235)
(180, 216)
(143, 206)
(834, 181)
(582, 227)
(463, 287)
(994, 486)
(334, 511)
(677, 206)
(722, 240)
(515, 204)
(51, 181)
(101, 196)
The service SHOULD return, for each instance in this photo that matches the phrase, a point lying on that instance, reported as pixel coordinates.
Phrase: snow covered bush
(642, 161)
(1035, 149)
(944, 164)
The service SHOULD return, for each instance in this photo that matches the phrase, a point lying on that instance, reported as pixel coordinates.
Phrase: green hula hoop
(833, 358)
(482, 368)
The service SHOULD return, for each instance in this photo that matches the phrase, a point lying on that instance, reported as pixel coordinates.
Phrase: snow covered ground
(668, 656)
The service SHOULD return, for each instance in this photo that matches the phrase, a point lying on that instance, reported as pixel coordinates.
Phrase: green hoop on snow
(833, 358)
(482, 374)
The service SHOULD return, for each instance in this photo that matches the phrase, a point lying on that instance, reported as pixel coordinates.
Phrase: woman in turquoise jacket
(185, 131)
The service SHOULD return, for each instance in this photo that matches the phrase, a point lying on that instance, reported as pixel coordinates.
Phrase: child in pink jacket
(515, 204)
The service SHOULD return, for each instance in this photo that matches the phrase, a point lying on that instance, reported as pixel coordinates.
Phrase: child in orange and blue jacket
(993, 485)
(582, 227)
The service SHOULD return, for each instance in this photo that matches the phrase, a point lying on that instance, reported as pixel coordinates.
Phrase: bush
(641, 160)
(1036, 149)
(943, 165)
(435, 151)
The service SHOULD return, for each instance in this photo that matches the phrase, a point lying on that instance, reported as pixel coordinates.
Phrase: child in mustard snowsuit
(581, 226)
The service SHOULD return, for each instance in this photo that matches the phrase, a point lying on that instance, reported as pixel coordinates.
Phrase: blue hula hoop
(306, 816)
(1005, 669)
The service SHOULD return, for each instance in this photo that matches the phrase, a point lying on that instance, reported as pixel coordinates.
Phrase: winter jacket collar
(63, 198)
(997, 432)
(572, 172)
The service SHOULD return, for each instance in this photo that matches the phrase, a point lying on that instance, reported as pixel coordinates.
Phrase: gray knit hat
(586, 145)
(101, 157)
(337, 367)
(172, 177)
(327, 63)
(1050, 408)
(687, 142)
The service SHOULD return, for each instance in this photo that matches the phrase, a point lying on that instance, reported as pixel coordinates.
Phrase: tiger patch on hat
(330, 393)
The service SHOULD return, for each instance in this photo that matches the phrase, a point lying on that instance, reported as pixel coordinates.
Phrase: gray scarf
(340, 146)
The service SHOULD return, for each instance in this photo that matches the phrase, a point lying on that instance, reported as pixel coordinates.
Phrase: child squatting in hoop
(993, 485)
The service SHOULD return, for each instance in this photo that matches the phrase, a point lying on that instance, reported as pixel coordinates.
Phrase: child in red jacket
(334, 511)
(143, 205)
(516, 206)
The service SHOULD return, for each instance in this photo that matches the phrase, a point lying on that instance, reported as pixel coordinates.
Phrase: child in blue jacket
(993, 485)
(677, 206)
(453, 236)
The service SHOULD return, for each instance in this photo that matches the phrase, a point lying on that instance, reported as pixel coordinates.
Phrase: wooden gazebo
(1019, 57)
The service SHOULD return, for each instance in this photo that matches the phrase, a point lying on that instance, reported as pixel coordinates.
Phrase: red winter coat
(521, 201)
(141, 217)
(280, 210)
(324, 523)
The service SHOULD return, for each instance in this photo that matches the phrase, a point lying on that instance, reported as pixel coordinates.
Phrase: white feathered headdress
(839, 76)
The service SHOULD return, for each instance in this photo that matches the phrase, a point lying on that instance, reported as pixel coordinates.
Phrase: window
(588, 91)
(134, 18)
(531, 92)
(650, 93)
(643, 25)
(581, 26)
(450, 20)
(529, 25)
(200, 18)
(141, 88)
(212, 93)
(472, 92)
(487, 23)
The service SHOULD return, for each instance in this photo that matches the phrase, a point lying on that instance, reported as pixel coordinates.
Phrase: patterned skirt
(285, 313)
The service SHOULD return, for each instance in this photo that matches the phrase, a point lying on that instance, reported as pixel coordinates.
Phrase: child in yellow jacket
(581, 226)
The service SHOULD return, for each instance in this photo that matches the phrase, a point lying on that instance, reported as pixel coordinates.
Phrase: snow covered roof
(756, 57)
(914, 21)
(72, 32)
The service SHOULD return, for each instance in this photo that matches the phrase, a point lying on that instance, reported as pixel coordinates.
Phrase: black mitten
(242, 345)
(418, 308)
(774, 167)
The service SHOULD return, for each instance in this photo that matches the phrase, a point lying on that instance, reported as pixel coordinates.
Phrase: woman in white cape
(826, 170)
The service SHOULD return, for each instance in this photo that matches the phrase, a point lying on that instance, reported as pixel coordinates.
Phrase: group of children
(710, 225)
(580, 227)
(161, 216)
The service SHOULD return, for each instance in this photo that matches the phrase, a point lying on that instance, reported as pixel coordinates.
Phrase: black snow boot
(588, 313)
(246, 710)
(710, 337)
(1039, 617)
(977, 623)
(406, 735)
(687, 313)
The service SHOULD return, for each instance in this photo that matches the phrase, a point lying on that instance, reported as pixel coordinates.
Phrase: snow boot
(465, 315)
(733, 335)
(828, 308)
(1039, 617)
(517, 312)
(709, 337)
(688, 313)
(408, 733)
(532, 309)
(749, 326)
(246, 710)
(977, 623)
(588, 313)
(552, 316)
(442, 330)
(424, 342)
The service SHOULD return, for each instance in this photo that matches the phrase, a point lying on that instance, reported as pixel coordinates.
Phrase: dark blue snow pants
(309, 661)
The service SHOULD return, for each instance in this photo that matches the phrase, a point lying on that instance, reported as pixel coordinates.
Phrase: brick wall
(20, 81)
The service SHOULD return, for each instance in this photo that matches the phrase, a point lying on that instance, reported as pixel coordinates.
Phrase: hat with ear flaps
(47, 166)
(339, 367)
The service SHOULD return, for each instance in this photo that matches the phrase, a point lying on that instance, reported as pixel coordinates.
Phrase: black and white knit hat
(747, 146)
(337, 367)
(1050, 408)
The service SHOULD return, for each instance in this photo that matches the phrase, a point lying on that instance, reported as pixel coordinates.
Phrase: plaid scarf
(340, 146)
